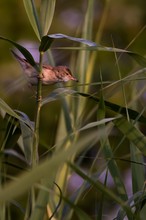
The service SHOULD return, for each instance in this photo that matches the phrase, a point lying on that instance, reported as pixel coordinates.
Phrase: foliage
(37, 180)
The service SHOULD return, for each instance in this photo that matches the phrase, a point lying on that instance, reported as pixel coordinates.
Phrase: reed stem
(35, 155)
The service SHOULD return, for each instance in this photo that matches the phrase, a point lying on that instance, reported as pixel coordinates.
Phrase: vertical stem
(35, 156)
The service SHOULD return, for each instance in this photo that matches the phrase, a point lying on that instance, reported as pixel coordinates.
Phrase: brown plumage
(50, 74)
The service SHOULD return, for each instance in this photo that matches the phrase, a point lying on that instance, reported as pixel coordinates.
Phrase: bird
(50, 74)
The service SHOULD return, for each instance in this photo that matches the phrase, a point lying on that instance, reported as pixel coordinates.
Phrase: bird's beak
(74, 79)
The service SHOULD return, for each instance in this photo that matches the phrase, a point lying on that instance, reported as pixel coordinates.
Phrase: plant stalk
(35, 156)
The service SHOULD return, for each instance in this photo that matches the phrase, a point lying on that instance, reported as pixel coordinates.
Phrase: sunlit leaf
(96, 123)
(32, 15)
(83, 57)
(47, 13)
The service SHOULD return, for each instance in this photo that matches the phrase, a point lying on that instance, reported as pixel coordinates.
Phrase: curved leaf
(45, 43)
(23, 50)
(97, 123)
(80, 40)
(134, 115)
(48, 39)
(6, 108)
(14, 153)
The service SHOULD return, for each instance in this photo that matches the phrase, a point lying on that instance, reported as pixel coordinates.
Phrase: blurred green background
(125, 20)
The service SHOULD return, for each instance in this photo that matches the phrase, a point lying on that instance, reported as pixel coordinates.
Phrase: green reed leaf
(132, 133)
(33, 17)
(117, 108)
(47, 40)
(47, 13)
(137, 57)
(22, 49)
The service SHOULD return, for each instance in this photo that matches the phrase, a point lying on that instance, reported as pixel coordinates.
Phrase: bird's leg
(40, 76)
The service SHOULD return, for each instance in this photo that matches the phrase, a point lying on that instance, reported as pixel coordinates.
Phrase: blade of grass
(93, 57)
(107, 151)
(96, 123)
(83, 57)
(79, 212)
(33, 16)
(66, 128)
(11, 134)
(107, 192)
(133, 134)
(138, 171)
(101, 204)
(137, 57)
(42, 201)
(47, 14)
(117, 108)
(9, 110)
(27, 137)
(47, 40)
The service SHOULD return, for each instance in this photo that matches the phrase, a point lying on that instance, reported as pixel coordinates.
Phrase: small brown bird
(50, 74)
